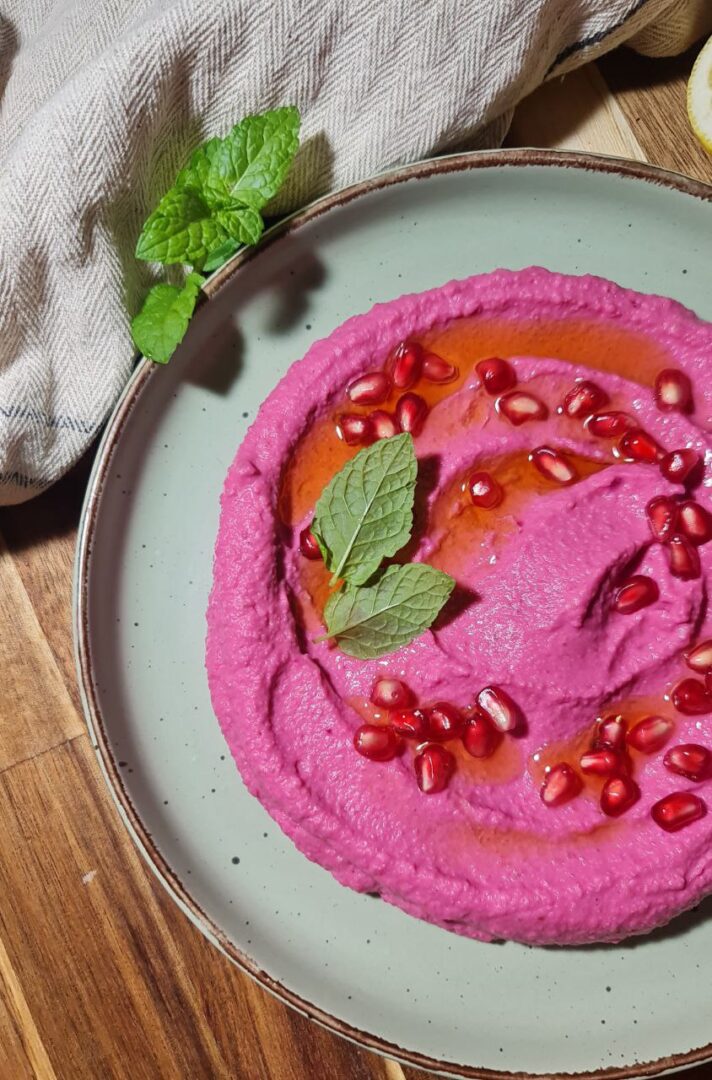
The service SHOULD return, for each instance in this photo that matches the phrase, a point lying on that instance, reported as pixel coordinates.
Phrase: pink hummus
(486, 857)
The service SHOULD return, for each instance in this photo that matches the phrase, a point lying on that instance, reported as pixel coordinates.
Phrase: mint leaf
(180, 230)
(241, 223)
(193, 176)
(377, 619)
(253, 160)
(365, 513)
(221, 254)
(163, 320)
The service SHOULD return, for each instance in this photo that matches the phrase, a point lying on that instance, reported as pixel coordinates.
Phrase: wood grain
(100, 975)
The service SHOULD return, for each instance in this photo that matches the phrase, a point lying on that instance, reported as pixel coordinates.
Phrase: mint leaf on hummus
(365, 514)
(376, 619)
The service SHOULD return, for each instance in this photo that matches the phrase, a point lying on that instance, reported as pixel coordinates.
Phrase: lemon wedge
(699, 97)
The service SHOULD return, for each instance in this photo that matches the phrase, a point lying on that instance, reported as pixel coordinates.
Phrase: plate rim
(98, 731)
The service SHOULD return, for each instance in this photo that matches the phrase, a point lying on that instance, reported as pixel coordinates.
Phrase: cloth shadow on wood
(52, 514)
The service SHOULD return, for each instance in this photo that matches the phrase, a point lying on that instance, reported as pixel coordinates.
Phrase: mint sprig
(365, 514)
(377, 619)
(212, 210)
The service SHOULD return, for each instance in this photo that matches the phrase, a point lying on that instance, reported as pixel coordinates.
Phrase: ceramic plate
(361, 967)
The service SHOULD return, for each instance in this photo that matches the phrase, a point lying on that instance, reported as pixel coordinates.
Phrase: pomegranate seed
(391, 694)
(496, 375)
(690, 698)
(384, 424)
(610, 733)
(676, 811)
(584, 399)
(437, 370)
(637, 445)
(608, 425)
(679, 465)
(695, 522)
(553, 465)
(699, 658)
(434, 766)
(690, 760)
(484, 490)
(481, 738)
(308, 544)
(498, 706)
(636, 593)
(662, 512)
(370, 389)
(411, 411)
(405, 364)
(519, 407)
(603, 763)
(673, 391)
(376, 743)
(355, 429)
(618, 795)
(445, 721)
(410, 723)
(650, 735)
(684, 559)
(561, 784)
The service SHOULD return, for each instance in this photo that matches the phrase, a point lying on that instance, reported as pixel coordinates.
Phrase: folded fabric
(101, 102)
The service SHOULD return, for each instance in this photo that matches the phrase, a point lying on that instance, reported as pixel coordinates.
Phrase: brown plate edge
(99, 735)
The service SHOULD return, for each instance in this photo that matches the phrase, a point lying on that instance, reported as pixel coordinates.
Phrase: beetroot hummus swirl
(534, 612)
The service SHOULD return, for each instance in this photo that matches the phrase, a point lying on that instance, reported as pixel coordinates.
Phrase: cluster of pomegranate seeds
(682, 527)
(673, 391)
(484, 490)
(480, 731)
(553, 465)
(405, 366)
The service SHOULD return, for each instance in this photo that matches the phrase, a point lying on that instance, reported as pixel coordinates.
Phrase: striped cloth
(102, 100)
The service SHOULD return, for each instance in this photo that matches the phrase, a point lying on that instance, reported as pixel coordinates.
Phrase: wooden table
(100, 974)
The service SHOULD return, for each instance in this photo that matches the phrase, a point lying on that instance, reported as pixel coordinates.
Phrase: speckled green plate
(360, 967)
